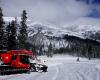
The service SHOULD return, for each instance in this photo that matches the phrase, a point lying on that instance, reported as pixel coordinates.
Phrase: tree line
(12, 36)
(80, 47)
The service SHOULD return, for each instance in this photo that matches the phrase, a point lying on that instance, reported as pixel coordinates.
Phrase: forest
(14, 36)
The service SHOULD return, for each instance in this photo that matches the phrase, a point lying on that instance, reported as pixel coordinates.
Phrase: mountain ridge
(76, 28)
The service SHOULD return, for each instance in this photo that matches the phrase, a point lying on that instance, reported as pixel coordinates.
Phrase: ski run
(62, 67)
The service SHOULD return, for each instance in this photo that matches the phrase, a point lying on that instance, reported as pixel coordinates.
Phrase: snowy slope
(63, 68)
(9, 19)
(75, 28)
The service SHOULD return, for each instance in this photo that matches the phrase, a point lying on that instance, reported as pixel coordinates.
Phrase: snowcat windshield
(24, 59)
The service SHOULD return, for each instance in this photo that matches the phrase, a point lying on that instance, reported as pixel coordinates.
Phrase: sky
(55, 12)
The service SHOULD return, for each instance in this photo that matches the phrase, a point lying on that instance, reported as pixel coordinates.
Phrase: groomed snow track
(62, 69)
(7, 70)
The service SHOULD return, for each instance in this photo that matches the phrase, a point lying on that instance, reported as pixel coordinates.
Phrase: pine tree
(1, 30)
(50, 50)
(23, 35)
(11, 35)
(17, 25)
(8, 32)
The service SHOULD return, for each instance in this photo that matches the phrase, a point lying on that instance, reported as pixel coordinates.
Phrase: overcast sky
(57, 12)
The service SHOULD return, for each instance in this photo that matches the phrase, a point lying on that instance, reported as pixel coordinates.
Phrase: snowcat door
(24, 59)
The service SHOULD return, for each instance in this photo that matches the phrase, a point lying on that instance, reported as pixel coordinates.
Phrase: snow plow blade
(38, 67)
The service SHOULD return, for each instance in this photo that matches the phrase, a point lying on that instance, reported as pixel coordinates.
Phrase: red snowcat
(17, 61)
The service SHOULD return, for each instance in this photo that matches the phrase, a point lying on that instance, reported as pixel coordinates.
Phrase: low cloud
(57, 12)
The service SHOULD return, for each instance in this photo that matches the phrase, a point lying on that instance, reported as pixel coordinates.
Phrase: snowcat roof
(20, 52)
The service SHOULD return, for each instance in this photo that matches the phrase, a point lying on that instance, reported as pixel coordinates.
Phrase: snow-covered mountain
(9, 19)
(82, 28)
(43, 34)
(75, 28)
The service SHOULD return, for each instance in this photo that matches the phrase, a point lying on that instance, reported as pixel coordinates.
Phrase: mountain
(76, 28)
(76, 31)
(67, 36)
(9, 19)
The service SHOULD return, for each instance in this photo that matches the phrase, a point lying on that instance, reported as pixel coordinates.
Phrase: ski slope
(63, 68)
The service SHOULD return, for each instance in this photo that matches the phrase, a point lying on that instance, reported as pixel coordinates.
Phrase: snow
(9, 19)
(98, 66)
(75, 28)
(63, 67)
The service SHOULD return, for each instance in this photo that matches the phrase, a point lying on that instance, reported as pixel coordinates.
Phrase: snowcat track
(13, 71)
(7, 70)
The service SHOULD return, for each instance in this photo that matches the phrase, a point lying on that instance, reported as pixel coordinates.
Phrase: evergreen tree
(1, 30)
(8, 32)
(11, 35)
(17, 25)
(89, 52)
(23, 35)
(50, 50)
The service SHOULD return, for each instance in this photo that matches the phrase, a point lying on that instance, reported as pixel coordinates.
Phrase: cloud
(57, 12)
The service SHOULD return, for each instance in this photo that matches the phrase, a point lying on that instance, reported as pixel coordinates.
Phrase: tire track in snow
(56, 75)
(98, 75)
(9, 77)
(50, 75)
(74, 76)
(37, 76)
(84, 77)
(18, 76)
(66, 71)
(60, 73)
(78, 76)
(31, 77)
(77, 72)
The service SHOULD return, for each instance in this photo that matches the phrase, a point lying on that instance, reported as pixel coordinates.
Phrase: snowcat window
(24, 59)
(3, 51)
(14, 57)
(0, 59)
